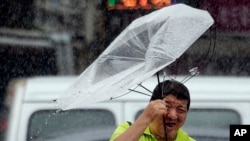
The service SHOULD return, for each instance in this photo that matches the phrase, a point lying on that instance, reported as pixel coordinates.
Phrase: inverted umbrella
(146, 46)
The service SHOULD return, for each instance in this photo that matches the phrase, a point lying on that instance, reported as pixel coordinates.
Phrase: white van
(216, 103)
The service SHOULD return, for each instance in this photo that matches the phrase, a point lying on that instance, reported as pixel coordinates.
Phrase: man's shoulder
(125, 124)
(183, 136)
(191, 139)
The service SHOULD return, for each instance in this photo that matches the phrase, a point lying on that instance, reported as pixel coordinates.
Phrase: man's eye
(182, 111)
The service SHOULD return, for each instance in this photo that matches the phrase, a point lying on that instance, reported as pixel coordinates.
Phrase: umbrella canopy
(147, 45)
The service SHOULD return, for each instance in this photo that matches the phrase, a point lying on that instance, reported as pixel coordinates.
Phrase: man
(163, 117)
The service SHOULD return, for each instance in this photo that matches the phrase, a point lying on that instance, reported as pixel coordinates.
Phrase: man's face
(175, 117)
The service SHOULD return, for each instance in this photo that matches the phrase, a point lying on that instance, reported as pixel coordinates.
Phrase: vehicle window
(49, 124)
(209, 124)
(219, 118)
(3, 121)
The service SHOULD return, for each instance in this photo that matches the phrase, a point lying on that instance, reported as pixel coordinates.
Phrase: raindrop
(58, 111)
(194, 71)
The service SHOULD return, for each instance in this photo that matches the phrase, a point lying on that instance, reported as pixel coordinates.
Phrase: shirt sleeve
(119, 130)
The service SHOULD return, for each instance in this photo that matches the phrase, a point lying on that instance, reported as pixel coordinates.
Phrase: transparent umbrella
(146, 46)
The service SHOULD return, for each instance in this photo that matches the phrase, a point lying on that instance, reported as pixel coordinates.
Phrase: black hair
(173, 87)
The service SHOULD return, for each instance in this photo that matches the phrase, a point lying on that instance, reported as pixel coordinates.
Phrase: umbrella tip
(59, 109)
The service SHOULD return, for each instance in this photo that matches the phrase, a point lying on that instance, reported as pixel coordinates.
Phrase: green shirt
(147, 136)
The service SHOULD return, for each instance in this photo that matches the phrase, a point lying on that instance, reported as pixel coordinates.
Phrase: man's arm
(134, 132)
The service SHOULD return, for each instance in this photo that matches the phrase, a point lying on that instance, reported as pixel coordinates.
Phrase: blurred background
(63, 37)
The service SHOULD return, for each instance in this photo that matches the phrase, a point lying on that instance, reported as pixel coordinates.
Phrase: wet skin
(175, 113)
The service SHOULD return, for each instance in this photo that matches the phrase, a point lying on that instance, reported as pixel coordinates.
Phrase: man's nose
(172, 114)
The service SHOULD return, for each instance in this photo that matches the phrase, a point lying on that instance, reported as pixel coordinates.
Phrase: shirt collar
(147, 131)
(181, 135)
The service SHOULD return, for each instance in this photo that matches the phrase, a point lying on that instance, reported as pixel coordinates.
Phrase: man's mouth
(170, 125)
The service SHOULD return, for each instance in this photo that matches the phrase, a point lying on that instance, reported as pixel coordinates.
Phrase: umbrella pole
(163, 117)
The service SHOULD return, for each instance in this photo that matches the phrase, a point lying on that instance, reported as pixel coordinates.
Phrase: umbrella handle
(164, 123)
(163, 117)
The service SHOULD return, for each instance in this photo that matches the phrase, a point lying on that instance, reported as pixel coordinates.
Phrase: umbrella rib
(132, 90)
(138, 40)
(137, 50)
(145, 88)
(139, 92)
(161, 57)
(193, 72)
(115, 57)
(189, 77)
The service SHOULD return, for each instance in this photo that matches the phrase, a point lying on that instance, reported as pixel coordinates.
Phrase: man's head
(177, 100)
(172, 87)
